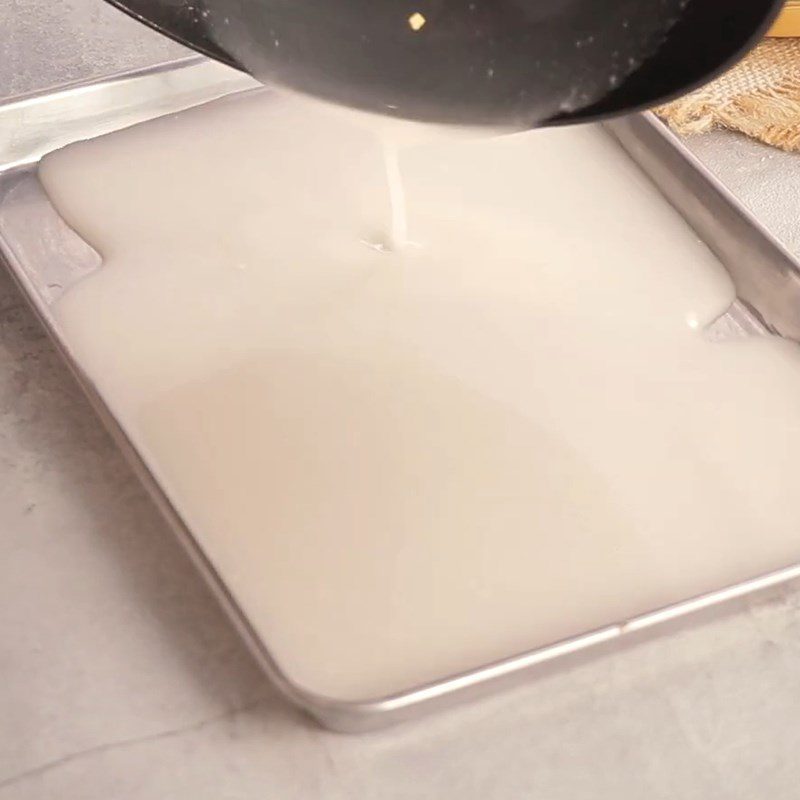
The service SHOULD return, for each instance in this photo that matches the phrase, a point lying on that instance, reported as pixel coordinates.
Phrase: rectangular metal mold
(45, 256)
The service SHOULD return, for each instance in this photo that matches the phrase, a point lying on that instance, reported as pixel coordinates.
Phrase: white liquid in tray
(409, 464)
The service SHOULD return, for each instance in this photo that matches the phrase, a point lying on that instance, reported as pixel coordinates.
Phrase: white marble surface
(120, 678)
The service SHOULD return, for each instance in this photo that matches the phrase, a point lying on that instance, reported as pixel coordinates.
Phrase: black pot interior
(710, 37)
(515, 63)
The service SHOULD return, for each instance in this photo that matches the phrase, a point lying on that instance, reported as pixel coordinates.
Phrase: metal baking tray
(45, 256)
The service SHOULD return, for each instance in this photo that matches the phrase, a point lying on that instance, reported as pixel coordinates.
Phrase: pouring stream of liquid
(398, 230)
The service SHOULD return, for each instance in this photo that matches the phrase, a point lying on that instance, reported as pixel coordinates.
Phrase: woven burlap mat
(759, 97)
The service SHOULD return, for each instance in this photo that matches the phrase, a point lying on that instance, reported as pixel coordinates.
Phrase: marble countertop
(120, 677)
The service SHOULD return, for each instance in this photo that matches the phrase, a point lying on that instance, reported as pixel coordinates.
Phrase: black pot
(516, 63)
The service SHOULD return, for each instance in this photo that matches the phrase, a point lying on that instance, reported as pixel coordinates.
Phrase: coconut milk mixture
(407, 462)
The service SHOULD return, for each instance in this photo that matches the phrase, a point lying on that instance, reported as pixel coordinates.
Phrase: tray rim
(345, 715)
